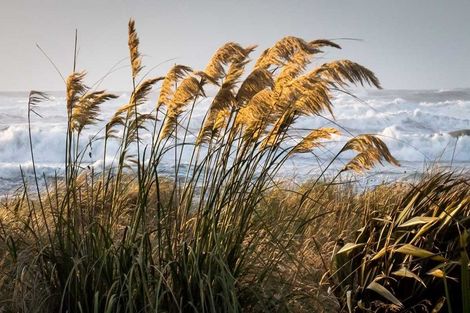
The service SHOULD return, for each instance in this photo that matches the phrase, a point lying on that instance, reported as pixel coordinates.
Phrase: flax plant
(411, 257)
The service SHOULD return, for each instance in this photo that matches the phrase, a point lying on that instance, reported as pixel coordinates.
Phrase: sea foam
(415, 124)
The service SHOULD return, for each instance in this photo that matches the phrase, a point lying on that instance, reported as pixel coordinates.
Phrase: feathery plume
(258, 107)
(116, 120)
(363, 161)
(86, 110)
(283, 51)
(205, 78)
(280, 127)
(315, 99)
(133, 42)
(213, 125)
(311, 141)
(371, 150)
(235, 71)
(256, 81)
(138, 124)
(235, 55)
(256, 115)
(36, 97)
(224, 99)
(171, 79)
(189, 89)
(139, 96)
(74, 88)
(123, 113)
(231, 52)
(343, 72)
(319, 43)
(295, 66)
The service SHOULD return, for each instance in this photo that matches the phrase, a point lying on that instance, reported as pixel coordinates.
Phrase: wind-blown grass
(221, 234)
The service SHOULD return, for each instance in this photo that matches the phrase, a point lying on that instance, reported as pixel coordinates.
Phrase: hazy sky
(409, 44)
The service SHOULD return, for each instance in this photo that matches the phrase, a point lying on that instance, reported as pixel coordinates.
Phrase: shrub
(411, 257)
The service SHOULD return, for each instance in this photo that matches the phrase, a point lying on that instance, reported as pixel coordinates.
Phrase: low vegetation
(224, 233)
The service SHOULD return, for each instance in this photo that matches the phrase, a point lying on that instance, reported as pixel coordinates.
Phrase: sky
(409, 44)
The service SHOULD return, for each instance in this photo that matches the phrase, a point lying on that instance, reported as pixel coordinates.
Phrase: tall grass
(212, 237)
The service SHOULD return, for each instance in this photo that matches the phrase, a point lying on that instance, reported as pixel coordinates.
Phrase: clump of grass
(126, 238)
(412, 256)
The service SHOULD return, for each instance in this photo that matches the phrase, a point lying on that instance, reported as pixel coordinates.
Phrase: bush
(411, 257)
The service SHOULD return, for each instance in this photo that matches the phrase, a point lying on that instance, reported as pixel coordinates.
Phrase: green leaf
(384, 292)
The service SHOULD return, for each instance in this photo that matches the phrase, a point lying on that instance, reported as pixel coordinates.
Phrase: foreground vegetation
(224, 233)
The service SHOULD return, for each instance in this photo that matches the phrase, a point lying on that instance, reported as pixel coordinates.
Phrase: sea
(420, 127)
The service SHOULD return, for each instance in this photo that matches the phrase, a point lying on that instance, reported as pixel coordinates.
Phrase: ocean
(417, 126)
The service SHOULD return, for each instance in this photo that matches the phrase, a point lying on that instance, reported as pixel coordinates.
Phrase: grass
(224, 233)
